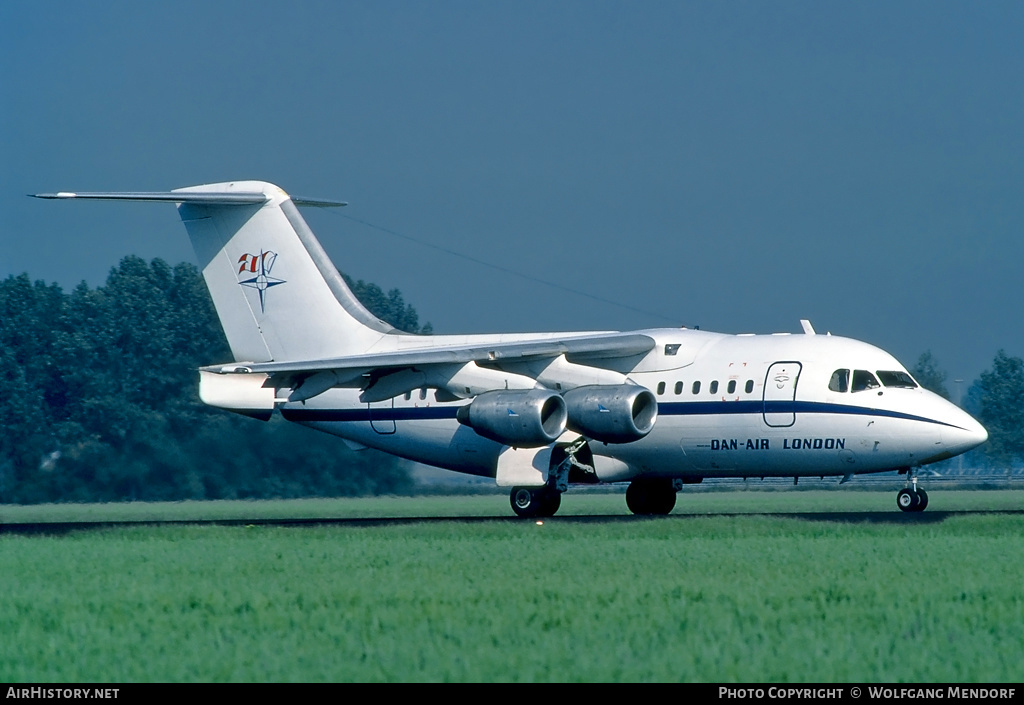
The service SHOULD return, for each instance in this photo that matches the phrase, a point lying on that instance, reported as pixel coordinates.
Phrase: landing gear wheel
(531, 502)
(636, 498)
(525, 502)
(550, 503)
(651, 496)
(908, 500)
(923, 501)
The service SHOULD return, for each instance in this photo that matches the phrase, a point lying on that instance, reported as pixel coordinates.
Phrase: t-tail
(276, 292)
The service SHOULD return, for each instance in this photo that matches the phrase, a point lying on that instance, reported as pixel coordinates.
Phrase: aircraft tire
(908, 500)
(666, 501)
(922, 500)
(648, 497)
(529, 502)
(550, 502)
(636, 498)
(524, 502)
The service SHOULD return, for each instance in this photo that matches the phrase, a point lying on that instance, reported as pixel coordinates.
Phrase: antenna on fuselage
(806, 325)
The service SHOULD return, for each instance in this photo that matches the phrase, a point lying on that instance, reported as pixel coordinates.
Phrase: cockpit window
(897, 378)
(840, 381)
(862, 380)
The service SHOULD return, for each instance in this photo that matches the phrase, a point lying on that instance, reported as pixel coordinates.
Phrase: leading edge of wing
(617, 345)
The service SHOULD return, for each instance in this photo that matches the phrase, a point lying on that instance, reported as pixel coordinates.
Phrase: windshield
(897, 378)
(862, 380)
(840, 381)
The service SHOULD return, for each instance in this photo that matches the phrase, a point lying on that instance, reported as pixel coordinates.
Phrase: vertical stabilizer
(276, 292)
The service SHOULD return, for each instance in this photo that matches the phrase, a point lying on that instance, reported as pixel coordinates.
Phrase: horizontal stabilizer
(231, 198)
(210, 198)
(317, 203)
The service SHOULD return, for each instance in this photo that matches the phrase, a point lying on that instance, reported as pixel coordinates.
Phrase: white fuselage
(728, 406)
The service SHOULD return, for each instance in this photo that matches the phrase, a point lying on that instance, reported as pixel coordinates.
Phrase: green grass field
(683, 598)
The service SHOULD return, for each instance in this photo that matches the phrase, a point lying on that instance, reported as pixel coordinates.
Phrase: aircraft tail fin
(276, 292)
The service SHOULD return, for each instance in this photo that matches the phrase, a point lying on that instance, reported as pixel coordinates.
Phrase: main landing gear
(544, 501)
(652, 496)
(912, 498)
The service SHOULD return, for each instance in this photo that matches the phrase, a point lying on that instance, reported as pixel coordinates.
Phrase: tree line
(101, 399)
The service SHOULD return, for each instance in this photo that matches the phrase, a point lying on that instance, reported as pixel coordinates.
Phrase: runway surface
(888, 517)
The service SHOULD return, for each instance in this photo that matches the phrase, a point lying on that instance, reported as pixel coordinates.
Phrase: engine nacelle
(620, 413)
(526, 418)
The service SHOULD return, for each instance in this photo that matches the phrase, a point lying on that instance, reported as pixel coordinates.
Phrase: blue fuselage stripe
(693, 408)
(714, 408)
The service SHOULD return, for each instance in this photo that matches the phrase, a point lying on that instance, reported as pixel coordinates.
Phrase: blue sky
(737, 166)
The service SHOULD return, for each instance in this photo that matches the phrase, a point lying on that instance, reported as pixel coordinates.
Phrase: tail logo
(260, 265)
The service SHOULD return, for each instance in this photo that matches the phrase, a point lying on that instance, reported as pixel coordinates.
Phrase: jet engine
(620, 413)
(527, 418)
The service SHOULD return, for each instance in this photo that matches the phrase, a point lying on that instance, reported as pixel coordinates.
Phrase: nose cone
(961, 432)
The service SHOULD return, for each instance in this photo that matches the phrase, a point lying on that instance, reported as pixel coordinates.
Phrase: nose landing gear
(912, 498)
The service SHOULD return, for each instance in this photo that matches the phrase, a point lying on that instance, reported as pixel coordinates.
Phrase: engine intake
(620, 413)
(521, 418)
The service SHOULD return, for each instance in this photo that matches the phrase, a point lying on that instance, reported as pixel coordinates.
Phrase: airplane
(538, 413)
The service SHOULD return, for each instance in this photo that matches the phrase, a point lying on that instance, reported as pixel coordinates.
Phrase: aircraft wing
(615, 345)
(308, 378)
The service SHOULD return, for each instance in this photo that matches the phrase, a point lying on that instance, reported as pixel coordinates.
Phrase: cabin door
(780, 394)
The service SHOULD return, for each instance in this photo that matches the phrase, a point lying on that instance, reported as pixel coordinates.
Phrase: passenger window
(696, 387)
(750, 386)
(679, 387)
(732, 386)
(863, 380)
(840, 381)
(897, 378)
(661, 387)
(714, 387)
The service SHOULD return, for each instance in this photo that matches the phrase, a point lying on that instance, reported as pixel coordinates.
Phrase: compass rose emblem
(260, 265)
